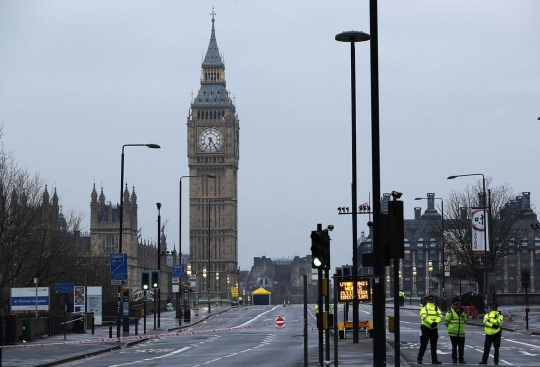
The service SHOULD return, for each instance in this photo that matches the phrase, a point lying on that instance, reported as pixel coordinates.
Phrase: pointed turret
(94, 194)
(102, 197)
(133, 197)
(55, 198)
(126, 195)
(212, 93)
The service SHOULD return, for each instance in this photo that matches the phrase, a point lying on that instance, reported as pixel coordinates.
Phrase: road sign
(234, 291)
(193, 284)
(119, 269)
(175, 280)
(64, 287)
(175, 288)
(346, 289)
(193, 277)
(178, 271)
(280, 321)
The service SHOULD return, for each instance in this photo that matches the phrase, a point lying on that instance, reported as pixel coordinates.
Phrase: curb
(74, 358)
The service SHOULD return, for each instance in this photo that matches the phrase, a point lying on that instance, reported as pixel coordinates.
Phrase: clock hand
(214, 145)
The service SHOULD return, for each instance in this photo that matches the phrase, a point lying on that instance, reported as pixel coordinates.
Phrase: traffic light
(320, 249)
(145, 280)
(525, 277)
(155, 279)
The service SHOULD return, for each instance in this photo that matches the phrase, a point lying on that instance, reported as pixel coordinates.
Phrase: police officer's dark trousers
(458, 342)
(428, 336)
(496, 340)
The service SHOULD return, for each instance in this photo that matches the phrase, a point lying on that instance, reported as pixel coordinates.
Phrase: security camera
(396, 195)
(330, 227)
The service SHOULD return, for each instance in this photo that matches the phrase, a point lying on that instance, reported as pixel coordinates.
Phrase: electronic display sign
(346, 290)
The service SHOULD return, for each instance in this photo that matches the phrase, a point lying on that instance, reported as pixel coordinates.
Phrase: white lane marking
(150, 359)
(517, 342)
(256, 317)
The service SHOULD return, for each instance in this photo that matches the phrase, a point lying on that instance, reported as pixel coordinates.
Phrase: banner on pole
(480, 239)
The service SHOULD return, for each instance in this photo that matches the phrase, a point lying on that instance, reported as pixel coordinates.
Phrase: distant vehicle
(471, 299)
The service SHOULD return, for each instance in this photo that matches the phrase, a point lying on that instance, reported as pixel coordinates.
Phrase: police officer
(492, 326)
(455, 322)
(430, 316)
(401, 298)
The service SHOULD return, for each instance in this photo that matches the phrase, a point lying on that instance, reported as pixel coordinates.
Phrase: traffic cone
(284, 305)
(288, 303)
(510, 316)
(217, 304)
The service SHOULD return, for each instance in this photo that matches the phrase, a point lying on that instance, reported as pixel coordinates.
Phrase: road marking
(150, 359)
(527, 344)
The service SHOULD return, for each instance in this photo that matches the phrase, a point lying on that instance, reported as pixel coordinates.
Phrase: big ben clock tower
(213, 149)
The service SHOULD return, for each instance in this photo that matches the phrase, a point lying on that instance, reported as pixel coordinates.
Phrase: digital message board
(346, 290)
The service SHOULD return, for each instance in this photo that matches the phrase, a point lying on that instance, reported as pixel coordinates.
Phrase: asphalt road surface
(245, 336)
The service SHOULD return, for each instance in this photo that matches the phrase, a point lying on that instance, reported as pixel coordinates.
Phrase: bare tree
(503, 217)
(32, 244)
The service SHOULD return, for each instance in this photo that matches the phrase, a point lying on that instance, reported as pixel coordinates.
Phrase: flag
(139, 233)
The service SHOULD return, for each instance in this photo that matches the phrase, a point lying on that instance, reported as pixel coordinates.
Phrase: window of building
(109, 247)
(420, 256)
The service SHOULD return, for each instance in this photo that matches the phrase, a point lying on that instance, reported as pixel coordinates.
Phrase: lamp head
(396, 195)
(352, 36)
(153, 146)
(418, 198)
(451, 177)
(158, 205)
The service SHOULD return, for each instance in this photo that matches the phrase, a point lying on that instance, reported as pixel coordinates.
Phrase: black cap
(457, 303)
(494, 305)
(430, 298)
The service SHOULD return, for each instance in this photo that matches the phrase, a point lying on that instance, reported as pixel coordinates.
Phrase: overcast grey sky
(459, 93)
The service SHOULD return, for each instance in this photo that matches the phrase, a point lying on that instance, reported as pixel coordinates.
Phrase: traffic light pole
(144, 314)
(319, 313)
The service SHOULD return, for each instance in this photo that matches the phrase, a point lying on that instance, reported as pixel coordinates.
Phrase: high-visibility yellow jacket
(402, 294)
(316, 308)
(455, 322)
(493, 322)
(429, 314)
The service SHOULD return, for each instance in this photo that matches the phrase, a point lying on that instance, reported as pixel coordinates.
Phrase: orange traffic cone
(288, 303)
(510, 316)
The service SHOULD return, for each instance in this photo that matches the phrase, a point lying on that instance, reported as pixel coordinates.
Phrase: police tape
(141, 337)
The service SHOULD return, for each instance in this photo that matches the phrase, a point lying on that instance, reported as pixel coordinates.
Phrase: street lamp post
(484, 224)
(159, 265)
(209, 203)
(459, 267)
(444, 307)
(207, 290)
(414, 291)
(352, 37)
(187, 311)
(153, 146)
(430, 269)
(187, 316)
(217, 285)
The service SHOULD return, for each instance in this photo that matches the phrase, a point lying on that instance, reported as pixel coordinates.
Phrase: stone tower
(213, 148)
(105, 227)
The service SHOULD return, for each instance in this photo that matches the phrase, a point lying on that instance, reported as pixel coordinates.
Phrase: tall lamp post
(207, 290)
(187, 316)
(414, 291)
(430, 269)
(459, 267)
(159, 265)
(209, 203)
(444, 307)
(217, 285)
(484, 225)
(153, 146)
(352, 37)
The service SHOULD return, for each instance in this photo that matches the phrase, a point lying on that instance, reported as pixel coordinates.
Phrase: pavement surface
(55, 350)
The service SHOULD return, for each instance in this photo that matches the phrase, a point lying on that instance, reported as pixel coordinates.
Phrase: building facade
(213, 133)
(141, 254)
(422, 271)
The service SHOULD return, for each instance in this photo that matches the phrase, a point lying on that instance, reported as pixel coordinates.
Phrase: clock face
(210, 140)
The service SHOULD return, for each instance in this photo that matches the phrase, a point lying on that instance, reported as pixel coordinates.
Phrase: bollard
(93, 322)
(110, 329)
(136, 326)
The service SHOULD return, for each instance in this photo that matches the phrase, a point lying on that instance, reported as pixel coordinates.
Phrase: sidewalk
(54, 350)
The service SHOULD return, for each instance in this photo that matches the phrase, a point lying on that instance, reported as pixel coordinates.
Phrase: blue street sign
(64, 287)
(119, 269)
(178, 271)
